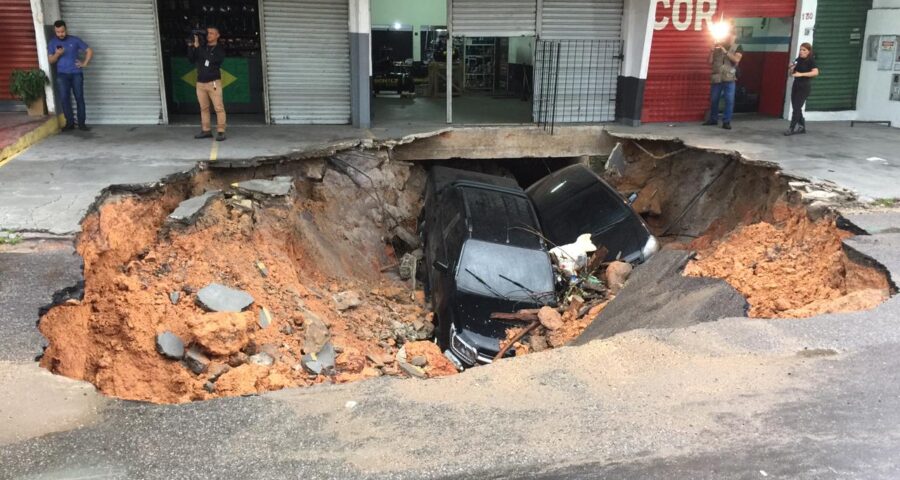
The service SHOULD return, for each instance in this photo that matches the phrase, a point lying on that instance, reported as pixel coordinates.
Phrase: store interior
(492, 76)
(242, 77)
(763, 71)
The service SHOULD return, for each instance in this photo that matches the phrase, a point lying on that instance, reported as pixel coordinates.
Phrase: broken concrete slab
(195, 360)
(188, 210)
(346, 300)
(658, 295)
(278, 187)
(169, 345)
(219, 298)
(323, 362)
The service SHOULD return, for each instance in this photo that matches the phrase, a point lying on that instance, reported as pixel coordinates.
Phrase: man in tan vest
(724, 59)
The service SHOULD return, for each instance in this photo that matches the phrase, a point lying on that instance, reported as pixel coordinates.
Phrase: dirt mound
(791, 267)
(142, 276)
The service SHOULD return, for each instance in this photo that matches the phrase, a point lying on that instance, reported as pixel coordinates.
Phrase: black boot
(802, 127)
(792, 130)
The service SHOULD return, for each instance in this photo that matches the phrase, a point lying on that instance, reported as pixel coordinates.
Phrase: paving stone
(322, 363)
(188, 210)
(195, 360)
(271, 188)
(169, 345)
(219, 298)
(262, 358)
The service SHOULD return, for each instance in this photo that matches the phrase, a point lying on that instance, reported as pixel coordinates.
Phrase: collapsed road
(232, 281)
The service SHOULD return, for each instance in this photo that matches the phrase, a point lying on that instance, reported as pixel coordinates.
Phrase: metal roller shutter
(307, 46)
(838, 43)
(582, 19)
(584, 85)
(493, 18)
(17, 38)
(121, 85)
(677, 87)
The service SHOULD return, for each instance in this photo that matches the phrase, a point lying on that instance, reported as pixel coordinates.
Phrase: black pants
(799, 94)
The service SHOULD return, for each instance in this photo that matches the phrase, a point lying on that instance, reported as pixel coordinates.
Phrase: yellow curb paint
(214, 151)
(49, 127)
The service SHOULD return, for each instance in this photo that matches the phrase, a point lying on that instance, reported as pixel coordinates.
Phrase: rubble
(277, 187)
(221, 333)
(188, 210)
(219, 298)
(265, 318)
(169, 345)
(262, 358)
(195, 360)
(322, 362)
(346, 300)
(174, 297)
(412, 370)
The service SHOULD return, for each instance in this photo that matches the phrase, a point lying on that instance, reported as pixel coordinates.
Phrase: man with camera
(724, 58)
(208, 58)
(71, 55)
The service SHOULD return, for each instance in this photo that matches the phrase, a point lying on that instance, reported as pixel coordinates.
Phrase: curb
(48, 128)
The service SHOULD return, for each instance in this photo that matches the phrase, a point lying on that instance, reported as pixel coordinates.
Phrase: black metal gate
(575, 81)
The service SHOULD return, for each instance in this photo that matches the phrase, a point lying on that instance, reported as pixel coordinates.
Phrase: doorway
(762, 74)
(242, 74)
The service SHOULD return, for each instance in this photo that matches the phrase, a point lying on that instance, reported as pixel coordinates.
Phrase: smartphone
(59, 47)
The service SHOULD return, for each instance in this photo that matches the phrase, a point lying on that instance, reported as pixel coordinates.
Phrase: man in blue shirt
(71, 55)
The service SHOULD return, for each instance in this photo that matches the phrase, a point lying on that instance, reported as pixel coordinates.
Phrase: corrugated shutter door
(838, 43)
(677, 87)
(494, 18)
(17, 38)
(582, 19)
(308, 60)
(121, 85)
(588, 70)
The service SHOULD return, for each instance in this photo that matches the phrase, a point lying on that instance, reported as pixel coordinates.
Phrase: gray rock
(658, 295)
(287, 329)
(316, 333)
(188, 210)
(412, 370)
(195, 360)
(262, 358)
(169, 345)
(313, 169)
(219, 298)
(346, 300)
(237, 359)
(217, 371)
(410, 239)
(323, 363)
(174, 297)
(265, 318)
(419, 361)
(209, 387)
(272, 188)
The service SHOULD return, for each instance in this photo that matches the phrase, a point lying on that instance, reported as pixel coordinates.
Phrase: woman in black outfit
(803, 70)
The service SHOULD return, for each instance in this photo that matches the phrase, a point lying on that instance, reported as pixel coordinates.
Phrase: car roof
(446, 176)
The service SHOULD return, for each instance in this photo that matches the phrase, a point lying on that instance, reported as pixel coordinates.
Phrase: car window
(483, 266)
(501, 217)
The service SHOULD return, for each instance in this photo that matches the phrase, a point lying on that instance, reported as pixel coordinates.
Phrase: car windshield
(501, 217)
(483, 266)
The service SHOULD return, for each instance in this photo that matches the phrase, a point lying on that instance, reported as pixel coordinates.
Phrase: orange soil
(790, 268)
(132, 264)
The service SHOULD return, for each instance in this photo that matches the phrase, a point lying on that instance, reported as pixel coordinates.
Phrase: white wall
(637, 33)
(886, 4)
(872, 101)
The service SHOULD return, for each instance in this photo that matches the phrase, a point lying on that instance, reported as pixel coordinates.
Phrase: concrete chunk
(195, 360)
(272, 188)
(219, 298)
(321, 363)
(169, 345)
(188, 210)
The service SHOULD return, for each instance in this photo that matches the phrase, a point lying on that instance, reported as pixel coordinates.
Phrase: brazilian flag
(235, 80)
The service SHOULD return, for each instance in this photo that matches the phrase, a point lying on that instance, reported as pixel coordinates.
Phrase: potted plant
(28, 86)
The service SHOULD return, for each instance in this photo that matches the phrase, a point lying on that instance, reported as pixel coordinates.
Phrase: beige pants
(211, 92)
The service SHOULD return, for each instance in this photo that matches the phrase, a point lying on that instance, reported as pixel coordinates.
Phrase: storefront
(288, 61)
(19, 48)
(677, 87)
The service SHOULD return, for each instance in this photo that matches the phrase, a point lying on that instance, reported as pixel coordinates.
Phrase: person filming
(803, 70)
(208, 58)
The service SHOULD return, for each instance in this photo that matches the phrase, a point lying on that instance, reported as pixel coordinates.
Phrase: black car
(575, 200)
(484, 251)
(481, 256)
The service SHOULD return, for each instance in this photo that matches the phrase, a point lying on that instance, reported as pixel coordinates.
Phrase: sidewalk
(18, 131)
